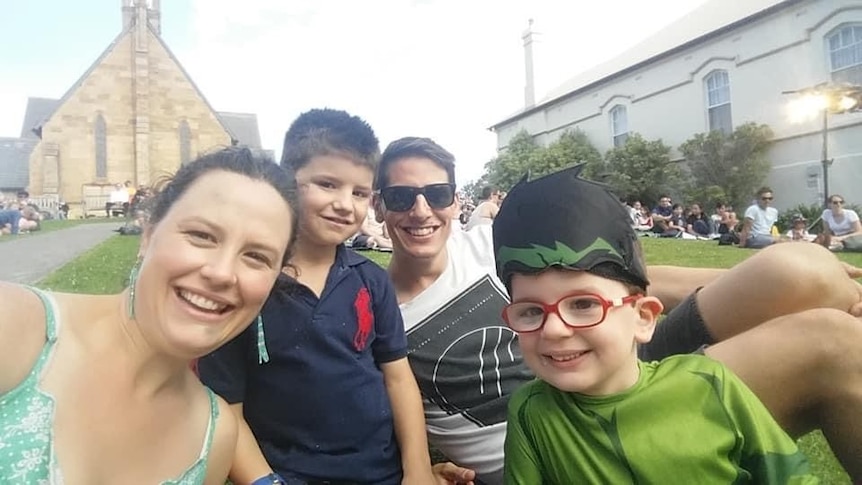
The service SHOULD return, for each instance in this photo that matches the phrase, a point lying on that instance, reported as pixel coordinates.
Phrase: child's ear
(649, 308)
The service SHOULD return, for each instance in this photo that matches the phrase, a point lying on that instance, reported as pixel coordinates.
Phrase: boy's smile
(596, 360)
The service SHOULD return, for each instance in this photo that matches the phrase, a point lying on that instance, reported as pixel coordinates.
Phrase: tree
(642, 169)
(525, 154)
(728, 168)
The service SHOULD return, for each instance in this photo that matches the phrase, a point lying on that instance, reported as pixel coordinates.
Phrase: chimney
(128, 14)
(530, 86)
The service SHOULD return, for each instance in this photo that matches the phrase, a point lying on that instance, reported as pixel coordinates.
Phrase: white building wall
(667, 99)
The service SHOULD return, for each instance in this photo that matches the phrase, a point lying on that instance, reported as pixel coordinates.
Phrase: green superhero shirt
(687, 420)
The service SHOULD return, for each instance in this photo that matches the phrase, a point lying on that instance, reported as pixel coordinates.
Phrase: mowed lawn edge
(105, 269)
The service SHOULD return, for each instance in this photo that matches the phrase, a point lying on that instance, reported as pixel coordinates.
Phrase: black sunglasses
(400, 198)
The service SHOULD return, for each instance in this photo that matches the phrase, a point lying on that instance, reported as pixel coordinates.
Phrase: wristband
(271, 479)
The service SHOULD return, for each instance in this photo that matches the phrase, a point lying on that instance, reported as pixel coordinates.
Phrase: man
(662, 214)
(805, 365)
(759, 218)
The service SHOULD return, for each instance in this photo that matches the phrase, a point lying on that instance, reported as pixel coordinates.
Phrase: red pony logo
(364, 318)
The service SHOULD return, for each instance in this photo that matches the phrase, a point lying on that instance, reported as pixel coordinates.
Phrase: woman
(839, 223)
(98, 389)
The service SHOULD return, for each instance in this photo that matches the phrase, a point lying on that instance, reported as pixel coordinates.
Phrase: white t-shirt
(763, 219)
(842, 227)
(466, 360)
(478, 218)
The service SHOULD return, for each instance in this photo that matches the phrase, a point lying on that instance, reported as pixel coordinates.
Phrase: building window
(845, 54)
(718, 102)
(185, 140)
(101, 147)
(619, 125)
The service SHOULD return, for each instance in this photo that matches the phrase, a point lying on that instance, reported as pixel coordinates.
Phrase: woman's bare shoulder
(223, 445)
(22, 333)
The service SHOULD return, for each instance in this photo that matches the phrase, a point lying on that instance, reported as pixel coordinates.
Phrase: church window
(101, 147)
(185, 141)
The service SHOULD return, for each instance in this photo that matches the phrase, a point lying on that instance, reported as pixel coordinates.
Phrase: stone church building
(134, 115)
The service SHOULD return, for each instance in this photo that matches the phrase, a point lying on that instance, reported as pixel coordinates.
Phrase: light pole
(824, 99)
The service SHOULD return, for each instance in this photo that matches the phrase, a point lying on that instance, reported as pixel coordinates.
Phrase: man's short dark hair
(764, 190)
(412, 146)
(23, 194)
(488, 191)
(329, 132)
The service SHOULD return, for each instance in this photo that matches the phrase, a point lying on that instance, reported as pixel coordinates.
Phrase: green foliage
(508, 167)
(642, 169)
(727, 168)
(524, 154)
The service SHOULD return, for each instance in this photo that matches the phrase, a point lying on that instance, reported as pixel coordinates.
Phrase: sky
(445, 69)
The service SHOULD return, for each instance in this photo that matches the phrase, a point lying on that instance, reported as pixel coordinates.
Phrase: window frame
(717, 91)
(846, 38)
(619, 115)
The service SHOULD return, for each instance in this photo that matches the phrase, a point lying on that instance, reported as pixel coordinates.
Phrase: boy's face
(334, 195)
(598, 360)
(421, 231)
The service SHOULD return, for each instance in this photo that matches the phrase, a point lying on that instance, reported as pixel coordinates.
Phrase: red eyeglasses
(577, 310)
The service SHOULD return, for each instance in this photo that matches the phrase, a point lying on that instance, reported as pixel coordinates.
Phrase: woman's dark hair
(235, 160)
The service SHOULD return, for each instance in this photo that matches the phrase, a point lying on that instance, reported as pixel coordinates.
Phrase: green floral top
(27, 419)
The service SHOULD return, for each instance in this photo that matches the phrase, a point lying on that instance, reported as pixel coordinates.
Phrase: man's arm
(746, 229)
(409, 419)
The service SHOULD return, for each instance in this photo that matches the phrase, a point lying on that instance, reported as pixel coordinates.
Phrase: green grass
(56, 225)
(105, 269)
(101, 270)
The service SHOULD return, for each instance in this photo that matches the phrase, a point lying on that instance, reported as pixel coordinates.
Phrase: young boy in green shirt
(596, 414)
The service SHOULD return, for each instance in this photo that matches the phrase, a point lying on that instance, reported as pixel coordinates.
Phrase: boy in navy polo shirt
(322, 379)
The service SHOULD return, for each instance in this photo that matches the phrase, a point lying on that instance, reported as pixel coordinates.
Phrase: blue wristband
(271, 479)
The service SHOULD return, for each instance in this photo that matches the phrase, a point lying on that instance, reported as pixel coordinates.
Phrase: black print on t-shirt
(465, 358)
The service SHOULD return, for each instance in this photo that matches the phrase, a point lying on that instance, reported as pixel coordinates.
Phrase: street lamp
(824, 99)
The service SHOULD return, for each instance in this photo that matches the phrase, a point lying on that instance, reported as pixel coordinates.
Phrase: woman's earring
(262, 354)
(133, 281)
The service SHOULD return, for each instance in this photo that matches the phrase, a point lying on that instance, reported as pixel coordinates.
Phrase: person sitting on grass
(596, 414)
(98, 388)
(798, 230)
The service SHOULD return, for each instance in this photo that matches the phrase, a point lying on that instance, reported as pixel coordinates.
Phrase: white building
(725, 64)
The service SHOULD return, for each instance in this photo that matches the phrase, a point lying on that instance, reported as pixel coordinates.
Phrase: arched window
(845, 54)
(100, 136)
(185, 141)
(717, 85)
(619, 125)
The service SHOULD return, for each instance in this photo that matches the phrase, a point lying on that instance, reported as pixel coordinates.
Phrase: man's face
(664, 202)
(420, 231)
(765, 200)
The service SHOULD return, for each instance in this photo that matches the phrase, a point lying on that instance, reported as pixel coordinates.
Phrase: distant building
(725, 64)
(134, 115)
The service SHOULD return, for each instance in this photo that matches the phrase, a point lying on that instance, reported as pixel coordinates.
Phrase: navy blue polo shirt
(319, 408)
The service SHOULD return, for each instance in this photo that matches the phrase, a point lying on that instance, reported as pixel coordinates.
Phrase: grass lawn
(105, 269)
(56, 224)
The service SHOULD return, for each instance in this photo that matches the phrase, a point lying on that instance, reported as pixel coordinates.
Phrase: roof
(242, 127)
(15, 162)
(713, 18)
(38, 110)
(37, 128)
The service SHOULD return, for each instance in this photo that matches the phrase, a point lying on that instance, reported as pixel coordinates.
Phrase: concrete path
(28, 259)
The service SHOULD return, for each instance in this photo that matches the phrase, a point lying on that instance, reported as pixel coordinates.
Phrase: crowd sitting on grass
(310, 342)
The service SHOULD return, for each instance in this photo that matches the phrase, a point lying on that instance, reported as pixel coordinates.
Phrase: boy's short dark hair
(329, 132)
(412, 146)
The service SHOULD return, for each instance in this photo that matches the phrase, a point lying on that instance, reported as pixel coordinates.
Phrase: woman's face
(210, 263)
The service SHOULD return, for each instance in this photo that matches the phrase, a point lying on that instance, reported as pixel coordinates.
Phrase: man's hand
(451, 474)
